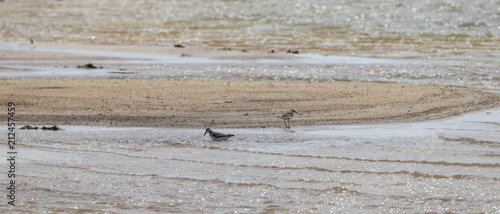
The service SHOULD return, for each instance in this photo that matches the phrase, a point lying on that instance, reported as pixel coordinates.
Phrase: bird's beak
(205, 133)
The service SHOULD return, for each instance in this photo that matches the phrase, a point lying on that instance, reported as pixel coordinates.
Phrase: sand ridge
(232, 104)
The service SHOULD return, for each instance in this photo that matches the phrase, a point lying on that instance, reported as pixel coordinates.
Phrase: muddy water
(448, 165)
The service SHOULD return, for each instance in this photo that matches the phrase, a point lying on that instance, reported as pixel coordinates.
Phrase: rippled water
(451, 29)
(448, 165)
(303, 67)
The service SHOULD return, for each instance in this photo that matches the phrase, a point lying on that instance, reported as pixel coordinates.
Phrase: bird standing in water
(217, 136)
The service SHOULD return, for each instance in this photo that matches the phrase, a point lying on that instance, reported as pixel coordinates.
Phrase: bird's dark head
(208, 130)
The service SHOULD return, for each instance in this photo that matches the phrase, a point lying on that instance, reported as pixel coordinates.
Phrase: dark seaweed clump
(89, 66)
(50, 128)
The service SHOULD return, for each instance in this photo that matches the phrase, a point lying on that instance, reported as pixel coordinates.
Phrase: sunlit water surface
(306, 67)
(445, 29)
(447, 165)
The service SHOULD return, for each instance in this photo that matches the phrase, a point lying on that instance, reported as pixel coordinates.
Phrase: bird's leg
(284, 121)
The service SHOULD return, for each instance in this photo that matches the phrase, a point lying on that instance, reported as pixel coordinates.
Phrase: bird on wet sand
(287, 116)
(217, 136)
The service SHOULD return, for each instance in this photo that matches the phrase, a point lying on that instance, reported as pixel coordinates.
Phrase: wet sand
(231, 104)
(59, 52)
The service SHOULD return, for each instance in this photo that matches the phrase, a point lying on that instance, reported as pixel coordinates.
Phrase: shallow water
(307, 67)
(447, 165)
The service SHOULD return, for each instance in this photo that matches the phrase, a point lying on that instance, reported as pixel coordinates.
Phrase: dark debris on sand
(50, 128)
(89, 66)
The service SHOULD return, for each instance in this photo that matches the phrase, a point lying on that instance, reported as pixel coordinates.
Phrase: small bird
(287, 116)
(217, 136)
